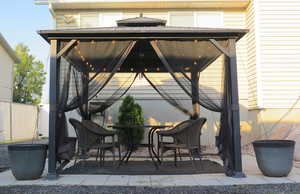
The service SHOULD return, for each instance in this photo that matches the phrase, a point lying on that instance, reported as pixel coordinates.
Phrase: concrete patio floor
(255, 182)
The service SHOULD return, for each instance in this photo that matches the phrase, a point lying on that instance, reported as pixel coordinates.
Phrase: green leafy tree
(29, 77)
(130, 113)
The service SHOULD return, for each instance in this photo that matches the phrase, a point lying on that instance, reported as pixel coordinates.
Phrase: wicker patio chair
(87, 140)
(185, 135)
(92, 126)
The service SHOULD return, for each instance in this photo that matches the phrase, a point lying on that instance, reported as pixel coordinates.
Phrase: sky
(19, 21)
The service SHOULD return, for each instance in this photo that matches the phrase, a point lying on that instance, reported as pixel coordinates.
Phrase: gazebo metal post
(55, 55)
(85, 94)
(195, 92)
(230, 59)
(236, 136)
(53, 92)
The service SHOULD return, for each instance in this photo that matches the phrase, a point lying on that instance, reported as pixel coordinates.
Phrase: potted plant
(130, 113)
(274, 157)
(27, 160)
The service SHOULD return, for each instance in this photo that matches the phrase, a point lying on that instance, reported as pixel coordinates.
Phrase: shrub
(130, 113)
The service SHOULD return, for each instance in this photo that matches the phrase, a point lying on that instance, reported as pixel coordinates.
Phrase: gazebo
(84, 60)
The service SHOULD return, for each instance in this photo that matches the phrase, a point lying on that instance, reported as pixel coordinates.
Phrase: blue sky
(20, 19)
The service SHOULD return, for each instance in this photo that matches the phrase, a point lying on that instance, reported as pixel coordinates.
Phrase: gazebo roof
(143, 28)
(141, 21)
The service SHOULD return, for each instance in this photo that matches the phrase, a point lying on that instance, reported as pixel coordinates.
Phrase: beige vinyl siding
(141, 90)
(89, 19)
(251, 59)
(67, 19)
(237, 19)
(279, 33)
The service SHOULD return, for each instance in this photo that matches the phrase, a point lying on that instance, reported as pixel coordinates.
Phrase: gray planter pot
(274, 157)
(27, 160)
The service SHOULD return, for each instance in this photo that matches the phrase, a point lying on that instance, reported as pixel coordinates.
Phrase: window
(185, 19)
(109, 19)
(209, 19)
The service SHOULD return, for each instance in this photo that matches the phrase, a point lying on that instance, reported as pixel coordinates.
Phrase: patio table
(131, 145)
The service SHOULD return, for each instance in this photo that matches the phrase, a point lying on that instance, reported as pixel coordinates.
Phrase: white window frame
(103, 13)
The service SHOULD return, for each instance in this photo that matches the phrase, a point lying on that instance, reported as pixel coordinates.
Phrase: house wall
(278, 28)
(274, 61)
(6, 75)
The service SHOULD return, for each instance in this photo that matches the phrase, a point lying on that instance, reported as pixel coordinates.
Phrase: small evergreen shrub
(130, 113)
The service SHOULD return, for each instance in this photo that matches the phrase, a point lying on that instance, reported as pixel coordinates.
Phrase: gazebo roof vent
(141, 21)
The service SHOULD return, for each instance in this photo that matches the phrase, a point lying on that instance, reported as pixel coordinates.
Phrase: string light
(195, 41)
(146, 69)
(157, 69)
(84, 59)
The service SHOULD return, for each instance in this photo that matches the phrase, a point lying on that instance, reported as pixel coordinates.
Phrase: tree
(130, 113)
(29, 77)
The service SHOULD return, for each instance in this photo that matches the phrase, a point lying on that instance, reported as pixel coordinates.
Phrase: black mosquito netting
(198, 65)
(87, 72)
(84, 72)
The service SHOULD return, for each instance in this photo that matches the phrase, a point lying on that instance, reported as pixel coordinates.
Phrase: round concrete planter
(274, 157)
(27, 160)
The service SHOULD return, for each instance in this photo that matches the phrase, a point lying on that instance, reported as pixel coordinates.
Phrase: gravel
(78, 189)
